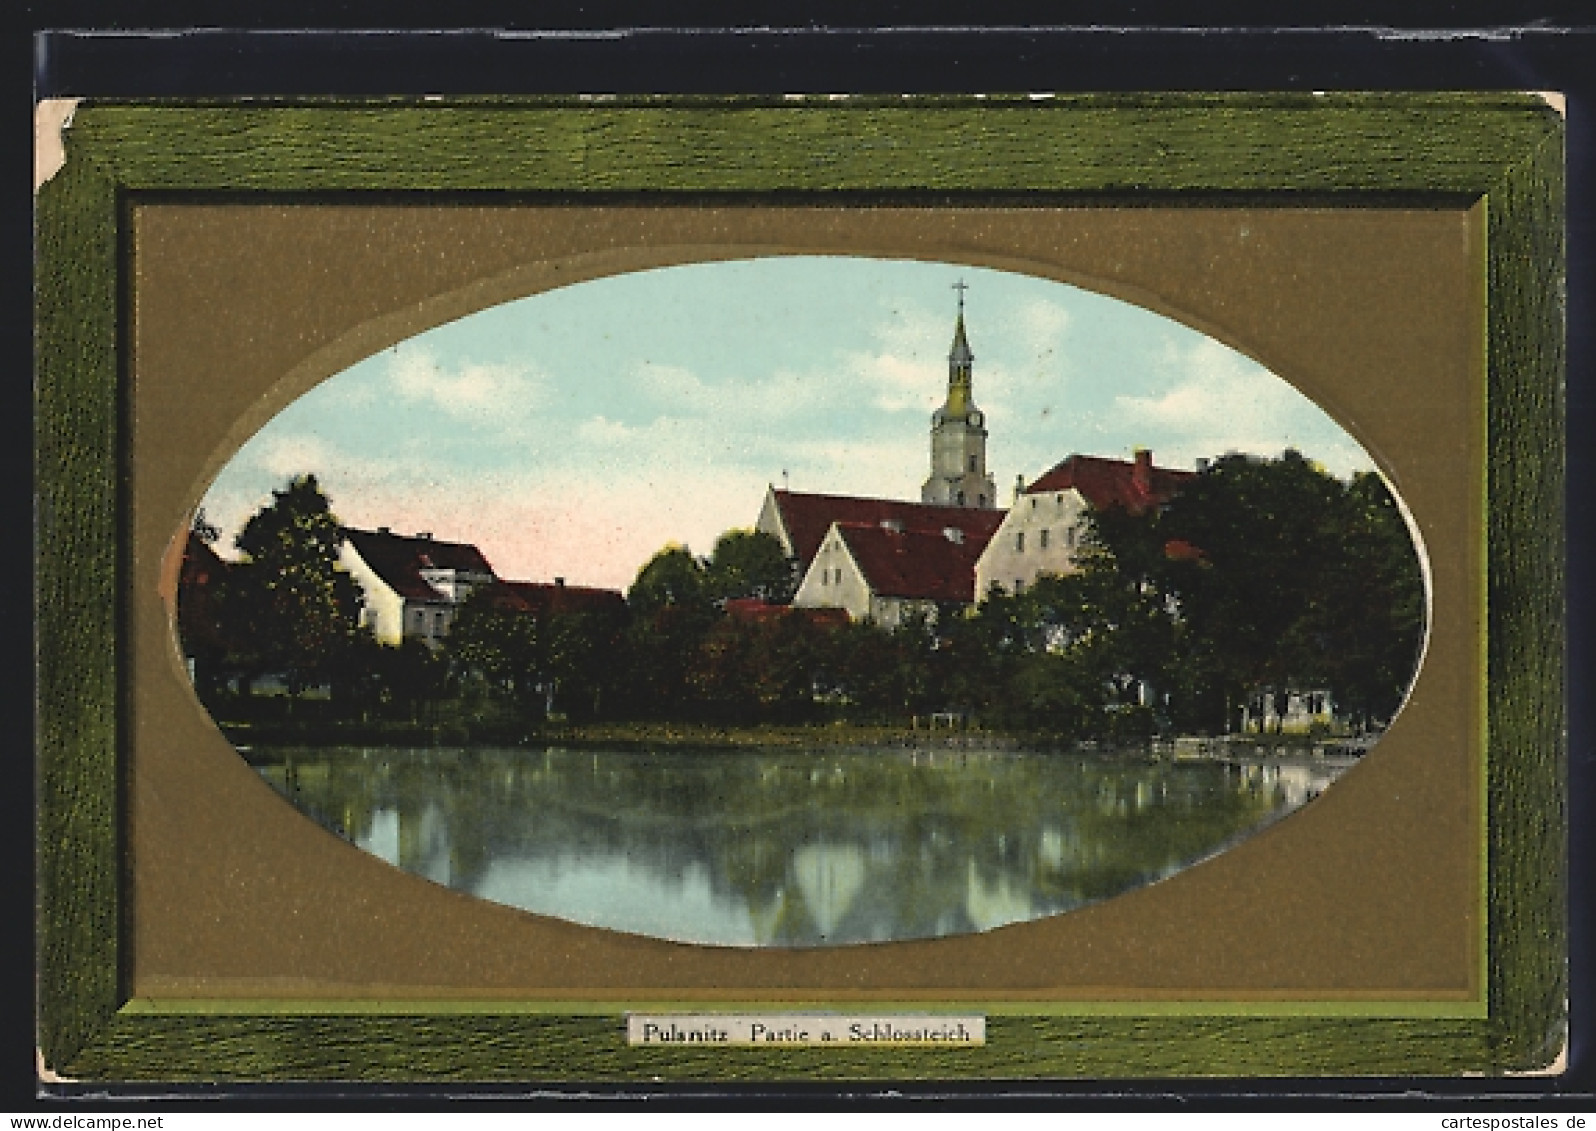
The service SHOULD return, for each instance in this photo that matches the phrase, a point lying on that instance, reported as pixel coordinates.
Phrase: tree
(1082, 647)
(287, 606)
(1372, 612)
(750, 563)
(500, 648)
(578, 650)
(1303, 581)
(412, 676)
(671, 577)
(204, 529)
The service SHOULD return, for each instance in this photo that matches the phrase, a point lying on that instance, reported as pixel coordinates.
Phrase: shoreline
(667, 736)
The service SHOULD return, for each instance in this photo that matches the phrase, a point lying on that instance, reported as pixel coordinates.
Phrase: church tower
(958, 435)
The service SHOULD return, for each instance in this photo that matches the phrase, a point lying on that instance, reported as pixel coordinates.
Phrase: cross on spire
(961, 286)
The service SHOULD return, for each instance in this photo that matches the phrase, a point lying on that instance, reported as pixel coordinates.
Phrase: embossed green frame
(1504, 149)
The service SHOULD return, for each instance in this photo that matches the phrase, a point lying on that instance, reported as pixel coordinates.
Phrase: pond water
(786, 848)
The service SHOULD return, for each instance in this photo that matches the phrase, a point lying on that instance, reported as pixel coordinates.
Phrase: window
(1019, 542)
(1069, 538)
(972, 463)
(1019, 585)
(1041, 540)
(1033, 502)
(961, 498)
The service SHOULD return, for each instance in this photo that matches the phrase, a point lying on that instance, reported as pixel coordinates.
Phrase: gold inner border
(1370, 898)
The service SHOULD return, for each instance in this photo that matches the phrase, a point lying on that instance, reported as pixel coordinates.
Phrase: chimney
(1202, 463)
(1142, 473)
(424, 535)
(559, 582)
(384, 530)
(1019, 487)
(953, 534)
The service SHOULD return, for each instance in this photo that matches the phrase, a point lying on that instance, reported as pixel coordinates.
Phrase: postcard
(867, 630)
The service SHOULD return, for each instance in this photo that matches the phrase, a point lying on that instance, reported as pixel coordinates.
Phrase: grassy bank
(623, 735)
(667, 735)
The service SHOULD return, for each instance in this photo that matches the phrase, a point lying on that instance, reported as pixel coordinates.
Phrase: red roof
(914, 564)
(755, 610)
(202, 570)
(1109, 483)
(542, 597)
(1180, 550)
(201, 564)
(399, 560)
(808, 517)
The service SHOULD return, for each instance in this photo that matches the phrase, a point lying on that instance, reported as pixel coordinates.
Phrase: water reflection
(786, 848)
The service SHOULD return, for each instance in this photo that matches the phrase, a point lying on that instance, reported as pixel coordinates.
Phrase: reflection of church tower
(958, 435)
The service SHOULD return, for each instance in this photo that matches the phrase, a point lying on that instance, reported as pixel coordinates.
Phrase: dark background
(855, 48)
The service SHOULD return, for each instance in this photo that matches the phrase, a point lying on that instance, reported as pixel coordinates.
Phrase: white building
(800, 520)
(1043, 532)
(1271, 710)
(411, 587)
(884, 572)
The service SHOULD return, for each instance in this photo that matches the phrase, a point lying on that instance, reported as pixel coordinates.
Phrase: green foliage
(750, 563)
(286, 607)
(672, 577)
(537, 661)
(1373, 607)
(495, 646)
(406, 680)
(1305, 582)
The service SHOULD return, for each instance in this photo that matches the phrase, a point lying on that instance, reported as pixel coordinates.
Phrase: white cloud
(1220, 391)
(283, 455)
(739, 403)
(496, 394)
(1224, 401)
(1039, 328)
(906, 368)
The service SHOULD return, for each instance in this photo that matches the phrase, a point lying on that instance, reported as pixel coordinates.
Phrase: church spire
(961, 361)
(958, 433)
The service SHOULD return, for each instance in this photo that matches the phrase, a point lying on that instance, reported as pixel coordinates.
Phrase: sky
(576, 432)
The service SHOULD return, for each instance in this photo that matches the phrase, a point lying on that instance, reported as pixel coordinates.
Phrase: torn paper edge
(51, 117)
(46, 1074)
(1556, 99)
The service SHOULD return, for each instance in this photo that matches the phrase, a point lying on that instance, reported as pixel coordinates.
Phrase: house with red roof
(886, 572)
(199, 629)
(411, 586)
(1042, 532)
(757, 610)
(542, 598)
(800, 521)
